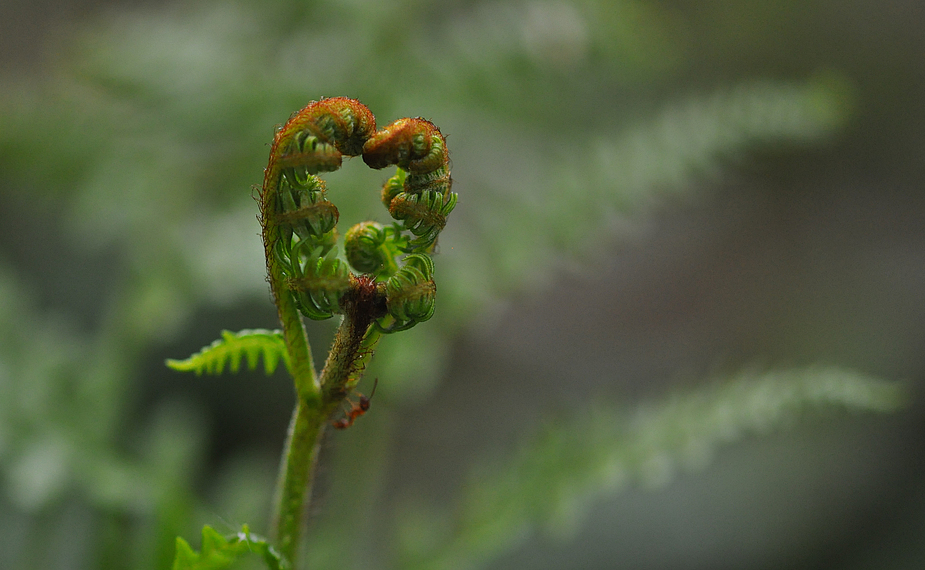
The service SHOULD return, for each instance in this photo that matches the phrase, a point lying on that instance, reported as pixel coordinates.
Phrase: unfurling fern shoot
(392, 290)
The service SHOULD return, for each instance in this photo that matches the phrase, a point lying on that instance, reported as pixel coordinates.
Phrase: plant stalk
(353, 345)
(295, 478)
(294, 335)
(308, 418)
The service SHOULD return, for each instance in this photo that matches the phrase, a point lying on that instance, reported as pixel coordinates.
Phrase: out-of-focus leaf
(220, 552)
(552, 482)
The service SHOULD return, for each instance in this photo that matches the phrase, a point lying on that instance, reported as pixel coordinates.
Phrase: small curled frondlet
(415, 145)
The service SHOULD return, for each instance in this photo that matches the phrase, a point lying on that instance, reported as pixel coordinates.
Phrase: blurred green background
(653, 195)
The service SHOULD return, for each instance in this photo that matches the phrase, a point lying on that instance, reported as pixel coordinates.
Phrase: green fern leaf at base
(219, 552)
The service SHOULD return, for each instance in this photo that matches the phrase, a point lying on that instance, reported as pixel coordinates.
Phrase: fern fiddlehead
(393, 290)
(419, 195)
(412, 293)
(293, 200)
(373, 248)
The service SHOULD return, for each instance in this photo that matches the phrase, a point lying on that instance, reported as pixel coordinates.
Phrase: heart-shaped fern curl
(299, 221)
(393, 290)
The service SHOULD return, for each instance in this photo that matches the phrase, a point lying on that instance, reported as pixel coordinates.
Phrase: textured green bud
(423, 214)
(363, 247)
(318, 292)
(392, 187)
(411, 293)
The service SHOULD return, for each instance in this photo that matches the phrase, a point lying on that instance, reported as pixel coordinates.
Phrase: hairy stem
(308, 419)
(354, 342)
(300, 354)
(353, 345)
(295, 478)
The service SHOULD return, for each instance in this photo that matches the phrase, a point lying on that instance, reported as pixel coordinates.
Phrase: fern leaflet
(232, 347)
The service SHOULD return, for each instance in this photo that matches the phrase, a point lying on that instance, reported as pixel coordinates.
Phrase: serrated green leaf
(232, 348)
(220, 552)
(272, 557)
(185, 557)
(212, 541)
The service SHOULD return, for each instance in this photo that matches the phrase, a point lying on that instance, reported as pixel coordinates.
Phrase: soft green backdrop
(653, 195)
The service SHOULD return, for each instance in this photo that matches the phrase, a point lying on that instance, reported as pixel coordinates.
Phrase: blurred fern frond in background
(127, 164)
(551, 482)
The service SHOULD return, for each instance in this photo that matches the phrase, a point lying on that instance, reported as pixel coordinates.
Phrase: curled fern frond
(307, 155)
(423, 214)
(373, 248)
(310, 218)
(299, 223)
(414, 145)
(319, 290)
(232, 347)
(362, 246)
(419, 195)
(419, 150)
(411, 293)
(316, 137)
(312, 141)
(345, 122)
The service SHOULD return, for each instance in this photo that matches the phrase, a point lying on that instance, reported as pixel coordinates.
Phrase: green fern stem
(302, 148)
(300, 355)
(294, 335)
(353, 345)
(295, 478)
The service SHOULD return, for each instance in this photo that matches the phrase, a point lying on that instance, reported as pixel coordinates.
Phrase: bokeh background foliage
(655, 196)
